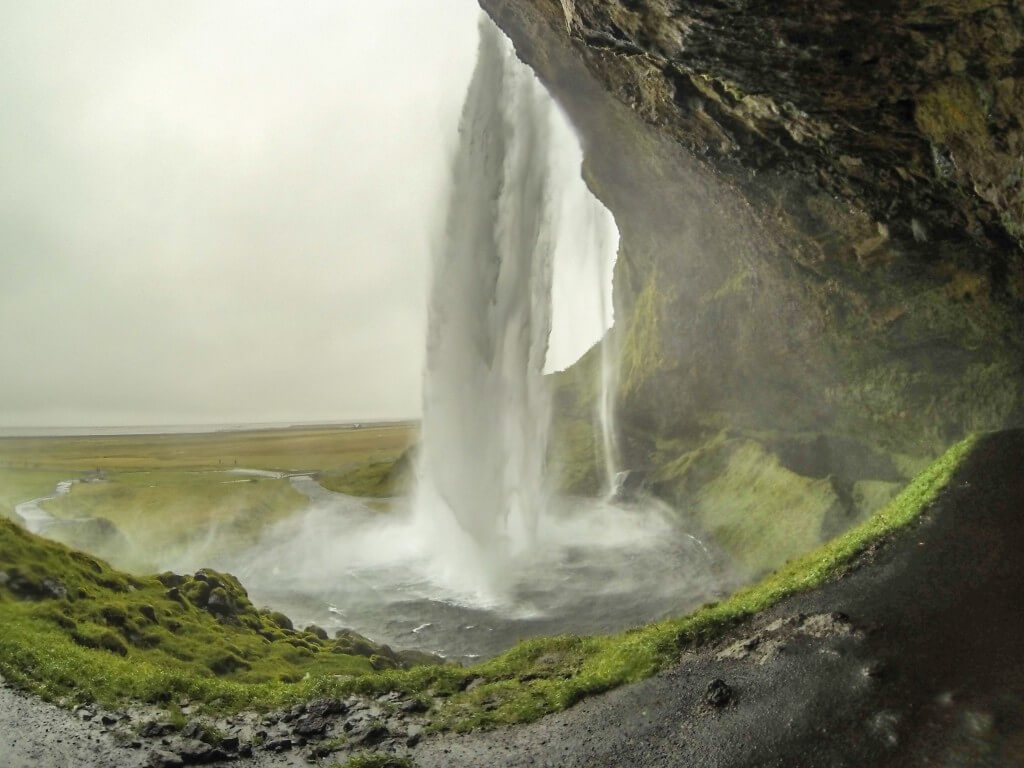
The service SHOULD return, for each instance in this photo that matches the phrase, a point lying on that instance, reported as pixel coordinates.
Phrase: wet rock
(278, 744)
(326, 706)
(192, 730)
(412, 706)
(170, 580)
(109, 719)
(368, 733)
(27, 588)
(154, 729)
(317, 631)
(310, 725)
(718, 693)
(193, 751)
(413, 735)
(219, 604)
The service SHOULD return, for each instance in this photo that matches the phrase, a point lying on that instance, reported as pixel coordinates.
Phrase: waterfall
(514, 209)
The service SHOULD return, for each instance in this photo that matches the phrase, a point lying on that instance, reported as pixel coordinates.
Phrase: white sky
(221, 211)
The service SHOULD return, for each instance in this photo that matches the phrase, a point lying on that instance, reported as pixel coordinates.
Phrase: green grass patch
(100, 640)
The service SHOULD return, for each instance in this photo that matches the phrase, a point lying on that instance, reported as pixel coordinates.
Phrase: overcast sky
(221, 211)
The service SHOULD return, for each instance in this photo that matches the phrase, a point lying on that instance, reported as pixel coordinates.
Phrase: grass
(99, 642)
(171, 495)
(171, 512)
(304, 449)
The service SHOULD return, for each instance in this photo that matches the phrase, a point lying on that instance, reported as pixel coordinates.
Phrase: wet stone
(310, 725)
(325, 706)
(718, 693)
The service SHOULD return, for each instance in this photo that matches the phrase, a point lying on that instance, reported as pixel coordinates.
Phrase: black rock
(278, 744)
(109, 719)
(230, 743)
(325, 706)
(310, 725)
(413, 735)
(368, 733)
(154, 729)
(718, 693)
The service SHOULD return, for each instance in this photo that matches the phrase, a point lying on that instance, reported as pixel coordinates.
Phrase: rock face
(821, 218)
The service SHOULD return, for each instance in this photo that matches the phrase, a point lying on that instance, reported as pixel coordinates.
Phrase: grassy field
(296, 449)
(167, 493)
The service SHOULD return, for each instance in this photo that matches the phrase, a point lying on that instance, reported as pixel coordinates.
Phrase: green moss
(757, 510)
(641, 351)
(73, 626)
(575, 456)
(374, 480)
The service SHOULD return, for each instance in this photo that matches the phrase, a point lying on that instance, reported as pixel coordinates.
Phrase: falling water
(517, 209)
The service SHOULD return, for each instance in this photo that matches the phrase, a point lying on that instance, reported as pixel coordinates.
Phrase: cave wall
(820, 280)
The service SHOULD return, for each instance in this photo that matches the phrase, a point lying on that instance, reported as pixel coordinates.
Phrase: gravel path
(913, 658)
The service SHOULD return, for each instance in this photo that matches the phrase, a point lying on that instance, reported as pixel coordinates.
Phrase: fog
(221, 212)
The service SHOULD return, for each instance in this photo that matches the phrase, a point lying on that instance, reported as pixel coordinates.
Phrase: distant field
(303, 449)
(166, 493)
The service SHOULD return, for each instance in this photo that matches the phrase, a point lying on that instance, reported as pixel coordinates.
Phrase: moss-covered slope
(74, 626)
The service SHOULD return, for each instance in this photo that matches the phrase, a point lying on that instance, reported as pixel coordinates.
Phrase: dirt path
(913, 658)
(34, 734)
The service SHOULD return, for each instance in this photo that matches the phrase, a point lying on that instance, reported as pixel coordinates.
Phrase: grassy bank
(95, 637)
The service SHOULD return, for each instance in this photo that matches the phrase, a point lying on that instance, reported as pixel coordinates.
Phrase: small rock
(410, 706)
(154, 729)
(230, 743)
(279, 744)
(413, 735)
(326, 706)
(245, 750)
(193, 751)
(310, 725)
(192, 730)
(109, 719)
(368, 733)
(718, 693)
(54, 589)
